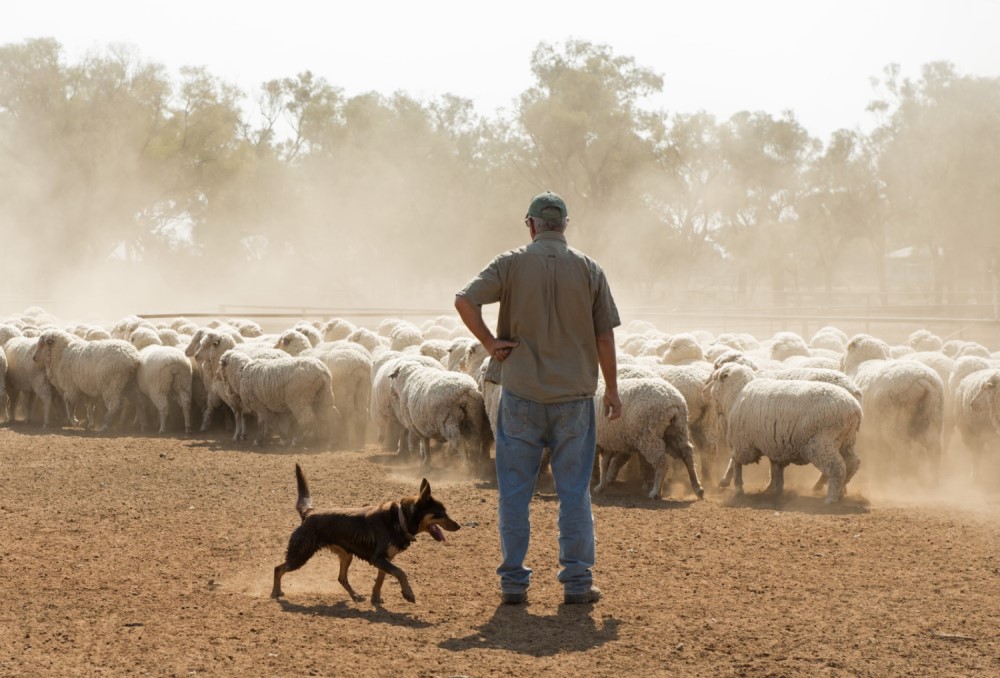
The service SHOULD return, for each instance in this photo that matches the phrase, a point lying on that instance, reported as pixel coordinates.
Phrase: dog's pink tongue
(436, 532)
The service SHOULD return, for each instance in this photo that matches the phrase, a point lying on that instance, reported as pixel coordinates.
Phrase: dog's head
(430, 513)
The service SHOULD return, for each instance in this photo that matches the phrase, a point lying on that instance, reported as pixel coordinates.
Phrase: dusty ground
(135, 555)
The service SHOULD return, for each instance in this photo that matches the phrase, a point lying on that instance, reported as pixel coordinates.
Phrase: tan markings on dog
(392, 552)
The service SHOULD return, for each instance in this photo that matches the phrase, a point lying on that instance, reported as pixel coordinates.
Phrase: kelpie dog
(373, 533)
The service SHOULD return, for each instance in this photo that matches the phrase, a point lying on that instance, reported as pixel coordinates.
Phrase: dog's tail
(304, 505)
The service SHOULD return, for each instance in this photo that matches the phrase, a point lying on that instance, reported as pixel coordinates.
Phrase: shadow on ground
(514, 628)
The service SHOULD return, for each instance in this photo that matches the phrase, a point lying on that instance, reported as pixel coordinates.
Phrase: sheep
(975, 417)
(403, 335)
(437, 332)
(456, 353)
(350, 367)
(653, 424)
(298, 386)
(963, 367)
(97, 333)
(682, 349)
(312, 334)
(163, 370)
(835, 377)
(437, 404)
(24, 375)
(789, 422)
(247, 328)
(105, 368)
(903, 400)
(209, 354)
(923, 340)
(971, 348)
(337, 328)
(436, 348)
(390, 430)
(787, 344)
(829, 338)
(366, 338)
(169, 337)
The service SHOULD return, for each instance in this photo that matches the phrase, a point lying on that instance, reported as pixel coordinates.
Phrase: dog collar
(402, 523)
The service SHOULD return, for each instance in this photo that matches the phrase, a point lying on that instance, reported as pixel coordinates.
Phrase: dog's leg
(345, 562)
(377, 589)
(300, 549)
(384, 565)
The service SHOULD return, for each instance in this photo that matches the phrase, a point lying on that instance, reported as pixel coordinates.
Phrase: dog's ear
(425, 489)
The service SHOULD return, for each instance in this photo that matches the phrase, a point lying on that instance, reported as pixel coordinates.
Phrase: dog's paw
(277, 593)
(376, 600)
(408, 594)
(358, 598)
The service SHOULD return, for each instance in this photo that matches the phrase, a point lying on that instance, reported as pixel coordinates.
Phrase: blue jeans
(569, 430)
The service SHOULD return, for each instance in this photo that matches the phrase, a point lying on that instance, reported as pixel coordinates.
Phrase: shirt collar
(550, 235)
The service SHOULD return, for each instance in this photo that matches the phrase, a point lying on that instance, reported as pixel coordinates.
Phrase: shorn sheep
(104, 369)
(653, 425)
(789, 422)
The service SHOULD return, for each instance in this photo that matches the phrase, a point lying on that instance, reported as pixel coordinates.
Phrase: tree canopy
(376, 197)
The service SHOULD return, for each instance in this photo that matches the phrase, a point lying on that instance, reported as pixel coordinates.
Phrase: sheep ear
(425, 489)
(393, 376)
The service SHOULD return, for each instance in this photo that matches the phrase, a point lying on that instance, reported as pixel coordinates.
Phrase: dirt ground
(144, 555)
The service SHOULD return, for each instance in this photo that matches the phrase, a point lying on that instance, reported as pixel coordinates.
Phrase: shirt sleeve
(485, 287)
(605, 311)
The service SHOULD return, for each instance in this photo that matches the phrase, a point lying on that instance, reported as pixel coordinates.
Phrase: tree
(764, 162)
(937, 156)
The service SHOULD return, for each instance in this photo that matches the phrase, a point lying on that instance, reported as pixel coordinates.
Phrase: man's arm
(608, 360)
(472, 316)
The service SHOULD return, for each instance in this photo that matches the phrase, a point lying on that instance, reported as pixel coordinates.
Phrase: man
(555, 327)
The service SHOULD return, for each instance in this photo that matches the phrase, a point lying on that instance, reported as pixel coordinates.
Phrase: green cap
(546, 200)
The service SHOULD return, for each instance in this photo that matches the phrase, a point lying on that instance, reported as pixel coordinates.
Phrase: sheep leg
(113, 404)
(776, 485)
(185, 400)
(611, 464)
(727, 477)
(737, 477)
(162, 406)
(660, 470)
(684, 452)
(821, 483)
(263, 426)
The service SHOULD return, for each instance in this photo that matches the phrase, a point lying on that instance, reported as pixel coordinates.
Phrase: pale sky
(812, 56)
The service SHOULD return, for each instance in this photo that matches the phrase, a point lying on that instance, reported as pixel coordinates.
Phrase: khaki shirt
(554, 300)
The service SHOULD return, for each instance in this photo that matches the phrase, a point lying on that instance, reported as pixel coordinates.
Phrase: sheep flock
(698, 406)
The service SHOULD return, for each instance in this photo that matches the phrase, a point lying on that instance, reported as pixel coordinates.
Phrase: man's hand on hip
(499, 349)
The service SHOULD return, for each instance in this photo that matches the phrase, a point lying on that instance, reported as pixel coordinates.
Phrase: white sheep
(405, 334)
(682, 349)
(653, 425)
(382, 412)
(903, 402)
(350, 367)
(336, 329)
(25, 376)
(433, 404)
(163, 371)
(76, 368)
(209, 355)
(789, 422)
(366, 338)
(924, 340)
(974, 414)
(271, 387)
(787, 344)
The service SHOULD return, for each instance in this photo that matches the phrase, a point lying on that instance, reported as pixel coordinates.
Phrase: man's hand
(612, 405)
(499, 349)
